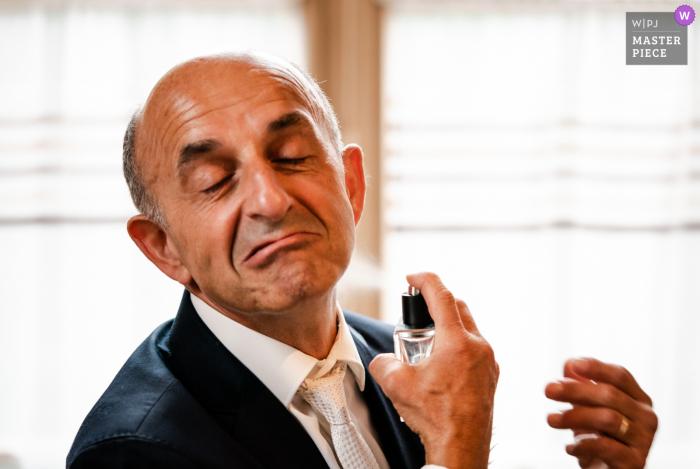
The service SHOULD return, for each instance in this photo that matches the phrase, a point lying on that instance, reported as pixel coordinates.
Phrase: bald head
(200, 80)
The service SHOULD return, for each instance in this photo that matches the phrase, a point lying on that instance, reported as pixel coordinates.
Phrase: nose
(265, 197)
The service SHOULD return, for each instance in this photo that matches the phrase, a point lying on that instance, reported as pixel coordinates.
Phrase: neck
(311, 326)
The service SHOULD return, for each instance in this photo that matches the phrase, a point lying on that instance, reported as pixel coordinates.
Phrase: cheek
(343, 204)
(211, 234)
(336, 211)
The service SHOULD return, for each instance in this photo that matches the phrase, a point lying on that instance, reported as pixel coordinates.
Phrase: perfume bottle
(414, 334)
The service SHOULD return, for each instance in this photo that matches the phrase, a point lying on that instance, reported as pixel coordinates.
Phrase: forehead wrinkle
(249, 117)
(209, 111)
(299, 90)
(202, 114)
(176, 117)
(164, 136)
(293, 81)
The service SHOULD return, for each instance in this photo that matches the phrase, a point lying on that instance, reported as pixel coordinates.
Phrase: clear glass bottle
(415, 332)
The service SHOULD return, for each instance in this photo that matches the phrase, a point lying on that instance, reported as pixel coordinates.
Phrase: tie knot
(327, 396)
(334, 376)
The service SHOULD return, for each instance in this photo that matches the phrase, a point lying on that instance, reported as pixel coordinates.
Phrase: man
(250, 201)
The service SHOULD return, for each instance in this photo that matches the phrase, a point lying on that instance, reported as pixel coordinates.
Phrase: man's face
(256, 204)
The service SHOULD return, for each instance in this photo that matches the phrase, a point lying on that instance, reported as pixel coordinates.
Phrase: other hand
(447, 399)
(609, 404)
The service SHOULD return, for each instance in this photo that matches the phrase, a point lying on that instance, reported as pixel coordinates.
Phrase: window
(556, 190)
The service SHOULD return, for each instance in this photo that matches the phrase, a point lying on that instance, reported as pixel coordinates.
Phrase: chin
(286, 283)
(300, 282)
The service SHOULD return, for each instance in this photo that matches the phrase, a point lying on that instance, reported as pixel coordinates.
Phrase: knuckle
(610, 419)
(621, 374)
(372, 367)
(444, 295)
(377, 368)
(488, 353)
(383, 371)
(460, 344)
(389, 382)
(608, 395)
(653, 422)
(479, 349)
(431, 277)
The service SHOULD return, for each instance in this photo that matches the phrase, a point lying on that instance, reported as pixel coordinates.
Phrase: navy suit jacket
(182, 400)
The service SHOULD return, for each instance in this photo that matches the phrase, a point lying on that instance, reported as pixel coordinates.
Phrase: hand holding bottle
(448, 397)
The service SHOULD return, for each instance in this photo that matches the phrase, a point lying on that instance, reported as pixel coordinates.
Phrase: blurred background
(509, 149)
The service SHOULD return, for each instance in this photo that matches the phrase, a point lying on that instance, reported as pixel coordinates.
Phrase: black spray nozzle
(415, 310)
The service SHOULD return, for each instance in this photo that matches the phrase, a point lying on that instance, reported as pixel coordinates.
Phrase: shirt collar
(280, 367)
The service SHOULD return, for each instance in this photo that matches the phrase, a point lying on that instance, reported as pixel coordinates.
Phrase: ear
(355, 185)
(156, 244)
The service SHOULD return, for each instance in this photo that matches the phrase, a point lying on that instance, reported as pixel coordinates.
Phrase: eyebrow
(194, 150)
(288, 120)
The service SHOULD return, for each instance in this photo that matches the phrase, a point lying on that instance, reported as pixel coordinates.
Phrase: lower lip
(262, 255)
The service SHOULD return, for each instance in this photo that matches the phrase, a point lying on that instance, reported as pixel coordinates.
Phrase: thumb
(390, 373)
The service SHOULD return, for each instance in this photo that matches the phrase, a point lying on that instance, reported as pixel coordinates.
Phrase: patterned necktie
(327, 396)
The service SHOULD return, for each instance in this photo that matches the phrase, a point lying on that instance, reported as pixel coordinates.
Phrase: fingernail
(554, 420)
(553, 389)
(569, 449)
(581, 365)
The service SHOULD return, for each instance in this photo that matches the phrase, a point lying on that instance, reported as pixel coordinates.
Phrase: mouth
(262, 252)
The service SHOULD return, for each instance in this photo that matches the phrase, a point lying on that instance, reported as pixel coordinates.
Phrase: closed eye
(218, 185)
(291, 161)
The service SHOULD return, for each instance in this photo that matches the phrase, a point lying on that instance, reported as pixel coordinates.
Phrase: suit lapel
(263, 419)
(240, 403)
(402, 448)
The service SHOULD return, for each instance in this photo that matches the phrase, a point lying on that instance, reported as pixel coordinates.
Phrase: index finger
(467, 318)
(595, 370)
(441, 302)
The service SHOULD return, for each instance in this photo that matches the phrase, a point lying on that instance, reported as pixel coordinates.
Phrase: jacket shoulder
(127, 402)
(148, 418)
(378, 335)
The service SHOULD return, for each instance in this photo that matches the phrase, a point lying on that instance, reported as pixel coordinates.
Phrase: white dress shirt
(282, 369)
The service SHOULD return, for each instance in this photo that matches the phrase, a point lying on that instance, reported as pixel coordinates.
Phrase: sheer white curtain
(77, 295)
(556, 190)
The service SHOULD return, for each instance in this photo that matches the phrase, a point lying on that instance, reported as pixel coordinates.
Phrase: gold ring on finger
(624, 425)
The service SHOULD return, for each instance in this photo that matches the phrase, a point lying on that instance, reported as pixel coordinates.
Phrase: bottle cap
(415, 310)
